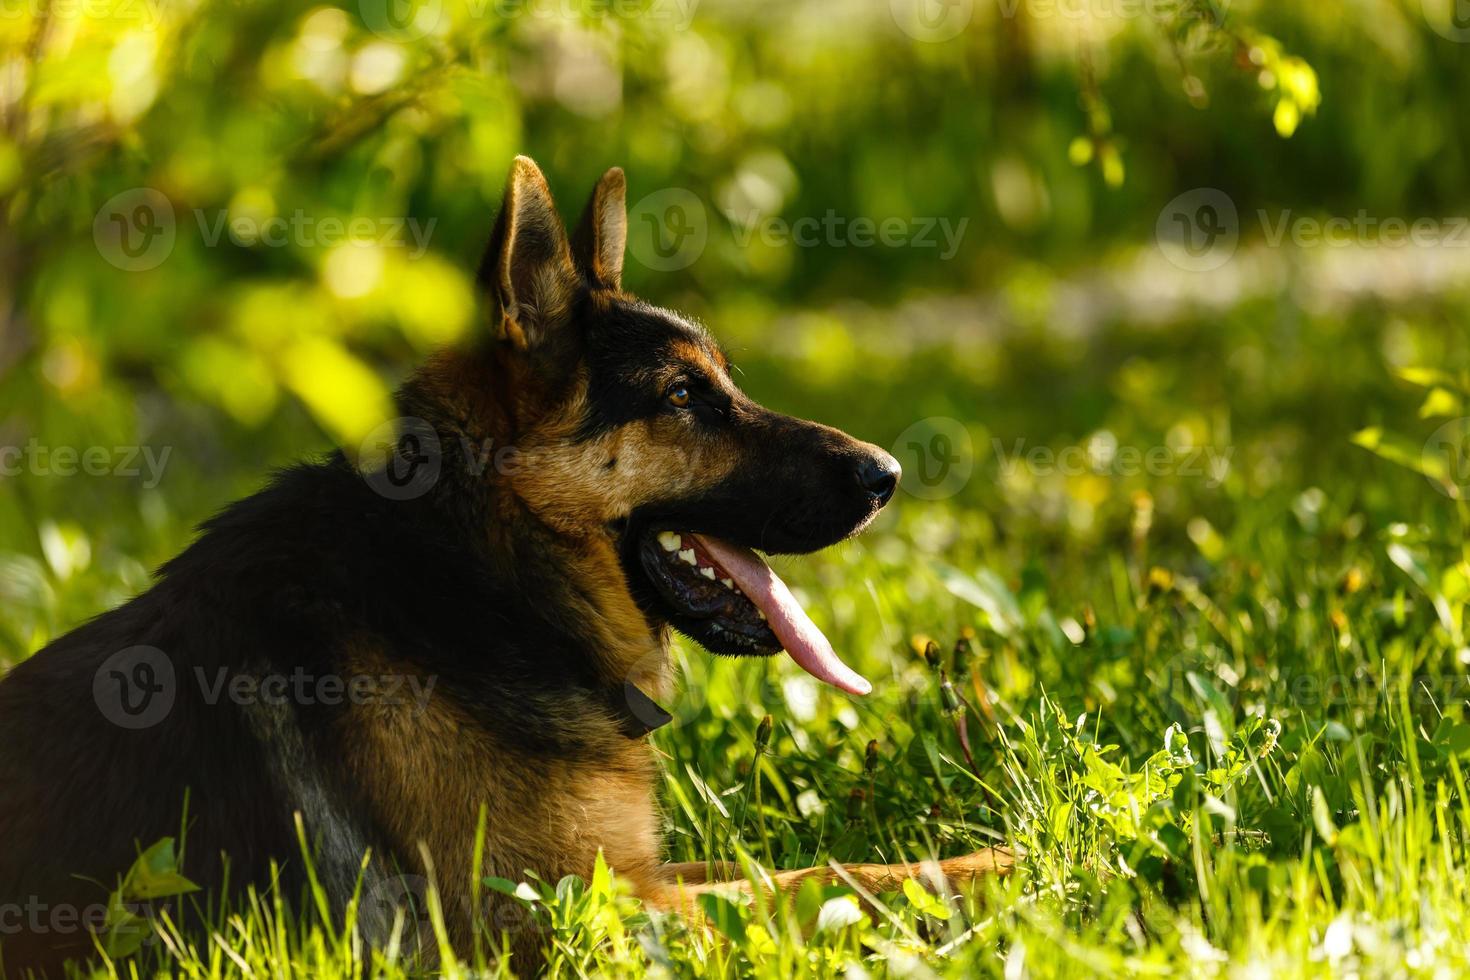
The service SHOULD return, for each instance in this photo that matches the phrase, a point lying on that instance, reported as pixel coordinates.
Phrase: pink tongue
(792, 626)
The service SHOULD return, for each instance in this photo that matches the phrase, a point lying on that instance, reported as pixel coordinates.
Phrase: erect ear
(598, 242)
(528, 267)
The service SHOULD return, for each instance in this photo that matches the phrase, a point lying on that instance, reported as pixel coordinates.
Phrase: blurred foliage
(1055, 130)
(227, 229)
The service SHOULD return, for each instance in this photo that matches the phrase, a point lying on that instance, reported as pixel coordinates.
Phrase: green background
(1273, 651)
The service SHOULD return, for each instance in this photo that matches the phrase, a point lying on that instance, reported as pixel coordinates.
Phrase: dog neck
(594, 603)
(578, 572)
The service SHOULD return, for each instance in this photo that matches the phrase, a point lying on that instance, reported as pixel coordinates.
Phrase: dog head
(627, 424)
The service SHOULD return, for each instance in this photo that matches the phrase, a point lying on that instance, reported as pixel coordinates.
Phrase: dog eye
(679, 397)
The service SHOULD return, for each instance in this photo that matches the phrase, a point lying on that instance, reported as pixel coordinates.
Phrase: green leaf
(155, 874)
(923, 901)
(985, 590)
(1409, 455)
(1427, 377)
(1286, 117)
(503, 885)
(570, 889)
(1441, 403)
(1322, 817)
(724, 915)
(1061, 817)
(124, 932)
(809, 899)
(1452, 737)
(1185, 792)
(1175, 841)
(601, 877)
(1310, 770)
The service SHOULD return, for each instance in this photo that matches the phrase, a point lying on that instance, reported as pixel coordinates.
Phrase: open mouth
(727, 598)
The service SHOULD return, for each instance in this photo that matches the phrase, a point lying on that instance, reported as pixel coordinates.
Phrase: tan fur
(713, 363)
(578, 486)
(619, 637)
(425, 775)
(426, 772)
(534, 278)
(603, 231)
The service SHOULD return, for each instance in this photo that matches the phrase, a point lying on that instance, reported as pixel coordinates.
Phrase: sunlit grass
(1222, 720)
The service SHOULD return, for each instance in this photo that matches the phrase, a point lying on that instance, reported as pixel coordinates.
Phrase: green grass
(1225, 721)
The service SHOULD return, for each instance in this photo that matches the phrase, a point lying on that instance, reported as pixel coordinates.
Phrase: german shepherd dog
(527, 604)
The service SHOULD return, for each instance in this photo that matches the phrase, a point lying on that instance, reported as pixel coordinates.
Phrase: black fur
(271, 585)
(282, 583)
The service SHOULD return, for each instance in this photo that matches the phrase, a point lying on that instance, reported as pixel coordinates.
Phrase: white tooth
(727, 583)
(761, 613)
(708, 573)
(687, 555)
(669, 541)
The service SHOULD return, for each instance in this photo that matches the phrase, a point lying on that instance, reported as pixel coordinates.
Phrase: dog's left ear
(597, 244)
(528, 270)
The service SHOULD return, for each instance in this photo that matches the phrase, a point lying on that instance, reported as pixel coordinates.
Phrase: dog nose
(878, 475)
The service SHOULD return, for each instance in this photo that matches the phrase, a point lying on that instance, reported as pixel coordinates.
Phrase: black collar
(638, 714)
